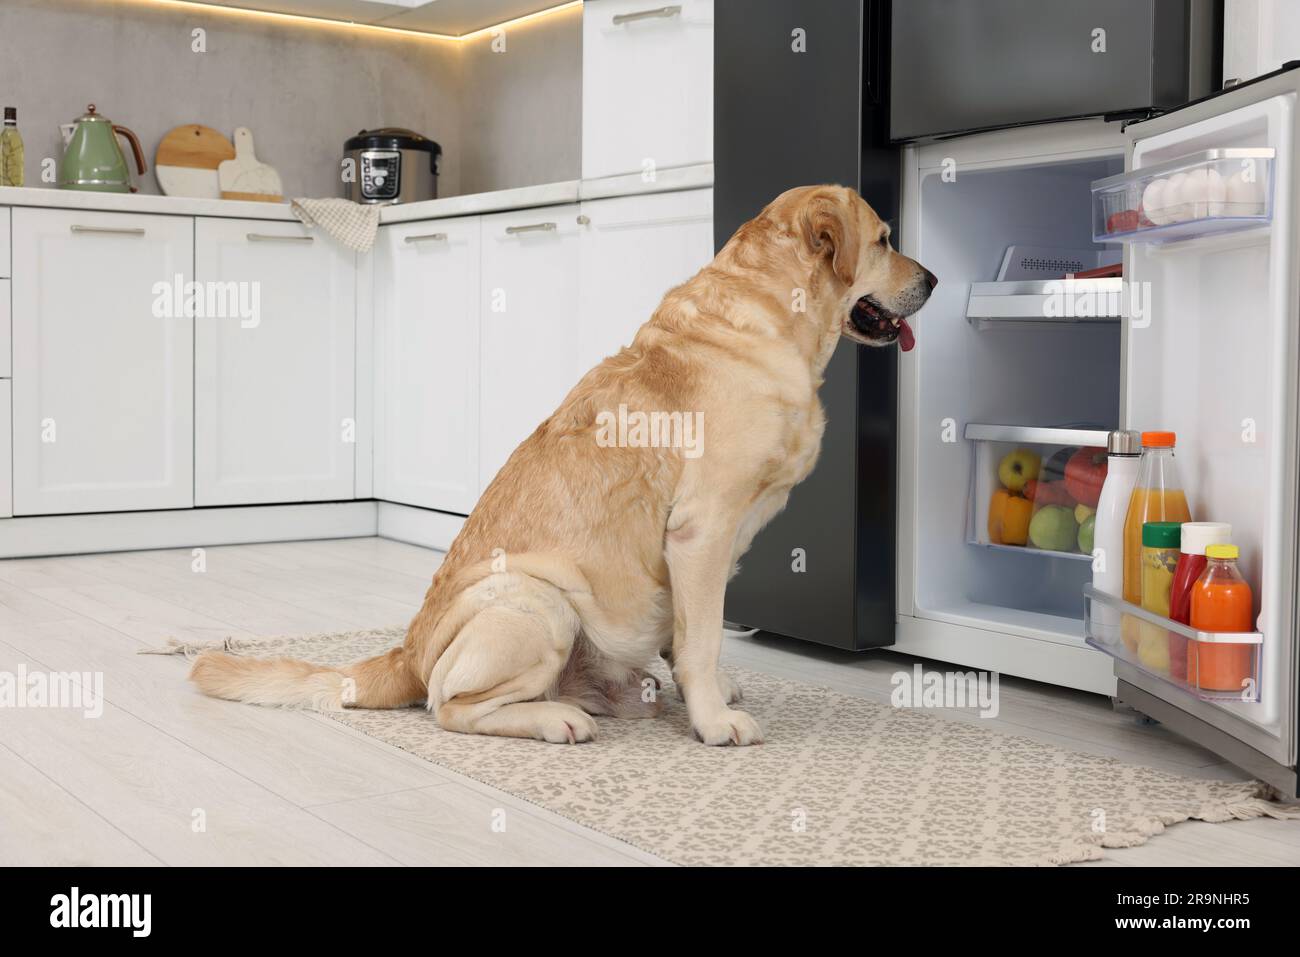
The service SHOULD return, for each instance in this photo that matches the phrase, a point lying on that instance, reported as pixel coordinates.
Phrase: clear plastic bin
(1212, 666)
(1202, 193)
(1033, 489)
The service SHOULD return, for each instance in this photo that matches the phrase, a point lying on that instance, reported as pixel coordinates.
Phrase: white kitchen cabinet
(1258, 37)
(528, 308)
(5, 366)
(274, 365)
(102, 362)
(633, 250)
(6, 451)
(4, 242)
(427, 349)
(647, 86)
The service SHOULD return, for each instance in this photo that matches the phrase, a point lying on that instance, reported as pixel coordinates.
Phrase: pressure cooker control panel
(381, 174)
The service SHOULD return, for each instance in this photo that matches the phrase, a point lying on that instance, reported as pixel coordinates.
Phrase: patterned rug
(840, 780)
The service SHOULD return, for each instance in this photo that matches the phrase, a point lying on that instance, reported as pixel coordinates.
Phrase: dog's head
(873, 289)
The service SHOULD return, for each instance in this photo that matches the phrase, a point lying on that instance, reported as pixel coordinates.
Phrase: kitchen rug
(840, 780)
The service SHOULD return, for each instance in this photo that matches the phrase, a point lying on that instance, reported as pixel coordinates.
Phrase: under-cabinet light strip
(198, 6)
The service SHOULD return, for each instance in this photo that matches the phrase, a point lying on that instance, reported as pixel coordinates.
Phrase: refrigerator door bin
(1021, 498)
(1045, 302)
(1211, 666)
(1212, 191)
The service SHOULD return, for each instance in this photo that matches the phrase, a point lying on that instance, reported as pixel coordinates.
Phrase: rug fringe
(191, 649)
(1254, 799)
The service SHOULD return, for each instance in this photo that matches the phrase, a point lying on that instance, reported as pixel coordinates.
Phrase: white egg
(1193, 194)
(1176, 208)
(1216, 191)
(1153, 201)
(1243, 194)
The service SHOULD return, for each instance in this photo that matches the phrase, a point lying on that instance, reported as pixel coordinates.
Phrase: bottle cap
(11, 113)
(1158, 440)
(1198, 536)
(1222, 552)
(1124, 442)
(1161, 534)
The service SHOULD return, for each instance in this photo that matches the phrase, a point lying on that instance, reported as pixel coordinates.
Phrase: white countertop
(545, 194)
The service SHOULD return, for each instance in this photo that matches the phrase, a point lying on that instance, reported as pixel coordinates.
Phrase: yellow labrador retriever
(609, 536)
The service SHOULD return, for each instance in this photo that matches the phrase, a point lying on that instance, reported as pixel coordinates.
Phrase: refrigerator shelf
(1210, 661)
(1005, 518)
(1045, 301)
(1202, 193)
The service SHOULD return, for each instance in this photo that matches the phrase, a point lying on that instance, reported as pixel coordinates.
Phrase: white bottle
(1123, 450)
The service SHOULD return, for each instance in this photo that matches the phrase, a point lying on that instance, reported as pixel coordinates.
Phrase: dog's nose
(930, 277)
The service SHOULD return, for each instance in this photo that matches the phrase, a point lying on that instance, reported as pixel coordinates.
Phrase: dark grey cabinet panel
(782, 119)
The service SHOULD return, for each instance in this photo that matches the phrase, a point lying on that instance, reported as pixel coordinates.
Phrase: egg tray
(1207, 192)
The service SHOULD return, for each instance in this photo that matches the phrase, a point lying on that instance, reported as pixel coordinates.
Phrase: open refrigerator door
(1206, 212)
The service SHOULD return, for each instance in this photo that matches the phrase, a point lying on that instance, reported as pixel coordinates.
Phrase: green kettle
(94, 161)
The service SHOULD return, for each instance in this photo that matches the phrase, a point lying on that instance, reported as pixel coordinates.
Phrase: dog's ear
(830, 226)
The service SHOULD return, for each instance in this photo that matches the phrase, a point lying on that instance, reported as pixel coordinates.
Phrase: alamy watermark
(919, 688)
(178, 299)
(651, 430)
(74, 690)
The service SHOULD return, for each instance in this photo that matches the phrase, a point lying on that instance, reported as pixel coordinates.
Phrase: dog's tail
(385, 681)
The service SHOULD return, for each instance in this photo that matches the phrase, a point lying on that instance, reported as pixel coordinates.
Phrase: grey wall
(521, 109)
(503, 119)
(301, 88)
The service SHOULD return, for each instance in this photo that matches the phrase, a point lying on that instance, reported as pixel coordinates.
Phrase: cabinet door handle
(427, 237)
(269, 238)
(115, 230)
(662, 13)
(531, 228)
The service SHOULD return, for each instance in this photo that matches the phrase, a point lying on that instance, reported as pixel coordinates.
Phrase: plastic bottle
(1123, 450)
(1221, 601)
(11, 150)
(1195, 538)
(1157, 497)
(1160, 544)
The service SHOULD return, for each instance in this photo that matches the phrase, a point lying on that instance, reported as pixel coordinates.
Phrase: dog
(588, 557)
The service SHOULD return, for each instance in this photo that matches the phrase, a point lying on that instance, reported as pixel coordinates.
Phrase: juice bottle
(1194, 539)
(1221, 601)
(1157, 497)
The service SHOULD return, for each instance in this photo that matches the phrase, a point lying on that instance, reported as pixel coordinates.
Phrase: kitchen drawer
(6, 364)
(4, 243)
(647, 85)
(6, 452)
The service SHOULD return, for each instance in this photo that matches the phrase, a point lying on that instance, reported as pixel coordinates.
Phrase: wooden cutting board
(187, 161)
(244, 177)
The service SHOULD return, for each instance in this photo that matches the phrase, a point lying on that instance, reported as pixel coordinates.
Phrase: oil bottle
(11, 150)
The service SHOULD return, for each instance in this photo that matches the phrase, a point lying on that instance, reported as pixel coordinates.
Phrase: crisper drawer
(5, 256)
(647, 86)
(1035, 489)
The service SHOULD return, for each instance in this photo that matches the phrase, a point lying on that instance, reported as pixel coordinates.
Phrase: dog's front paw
(728, 726)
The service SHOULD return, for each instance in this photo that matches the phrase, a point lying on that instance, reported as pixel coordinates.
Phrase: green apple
(1053, 528)
(1017, 468)
(1086, 531)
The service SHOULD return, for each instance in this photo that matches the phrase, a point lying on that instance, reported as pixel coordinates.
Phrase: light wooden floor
(167, 776)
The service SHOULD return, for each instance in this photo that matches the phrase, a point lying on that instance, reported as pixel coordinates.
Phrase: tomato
(1123, 222)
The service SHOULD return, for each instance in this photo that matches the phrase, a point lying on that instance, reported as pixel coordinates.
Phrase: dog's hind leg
(502, 662)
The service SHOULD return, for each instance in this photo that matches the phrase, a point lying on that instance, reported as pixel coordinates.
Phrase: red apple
(1084, 475)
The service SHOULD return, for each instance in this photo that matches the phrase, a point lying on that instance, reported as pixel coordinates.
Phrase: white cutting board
(245, 177)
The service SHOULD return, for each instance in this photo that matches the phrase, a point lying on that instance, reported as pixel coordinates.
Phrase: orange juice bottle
(1157, 497)
(1221, 601)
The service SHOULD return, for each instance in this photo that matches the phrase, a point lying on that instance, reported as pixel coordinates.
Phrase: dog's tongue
(906, 338)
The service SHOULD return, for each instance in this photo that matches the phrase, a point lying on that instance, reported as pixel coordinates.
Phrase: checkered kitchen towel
(350, 223)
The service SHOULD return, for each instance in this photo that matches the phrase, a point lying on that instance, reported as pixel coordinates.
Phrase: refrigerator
(1198, 336)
